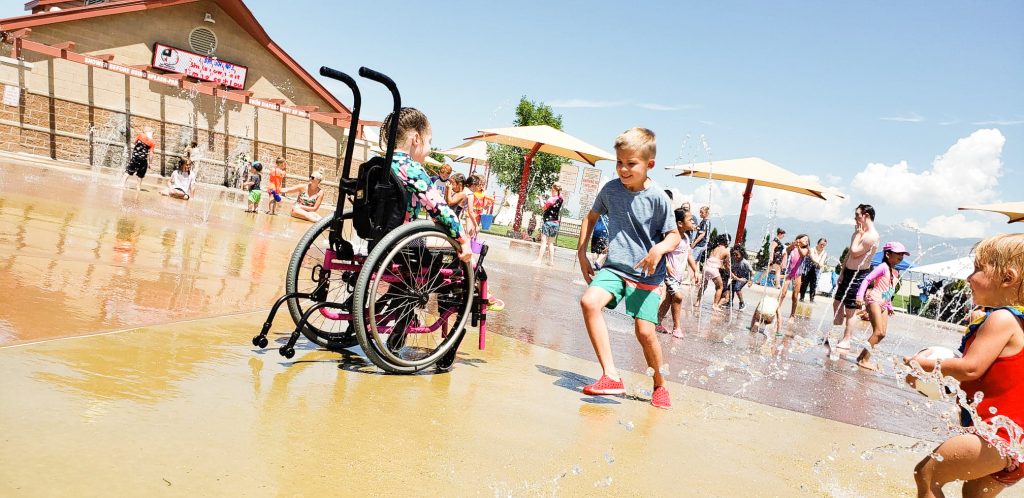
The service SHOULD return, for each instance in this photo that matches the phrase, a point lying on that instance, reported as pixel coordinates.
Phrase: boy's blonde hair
(1001, 253)
(638, 139)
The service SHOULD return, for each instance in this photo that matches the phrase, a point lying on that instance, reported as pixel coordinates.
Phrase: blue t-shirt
(636, 222)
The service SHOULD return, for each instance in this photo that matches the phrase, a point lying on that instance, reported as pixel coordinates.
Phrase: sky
(914, 107)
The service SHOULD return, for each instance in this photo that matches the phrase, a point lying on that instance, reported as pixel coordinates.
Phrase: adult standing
(690, 234)
(812, 268)
(863, 245)
(308, 201)
(700, 241)
(552, 222)
(776, 257)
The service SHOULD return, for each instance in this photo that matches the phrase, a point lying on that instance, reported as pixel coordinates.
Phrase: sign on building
(567, 177)
(198, 66)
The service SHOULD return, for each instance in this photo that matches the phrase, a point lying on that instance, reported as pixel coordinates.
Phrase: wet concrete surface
(176, 401)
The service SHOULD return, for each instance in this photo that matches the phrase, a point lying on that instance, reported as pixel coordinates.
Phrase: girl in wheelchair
(412, 144)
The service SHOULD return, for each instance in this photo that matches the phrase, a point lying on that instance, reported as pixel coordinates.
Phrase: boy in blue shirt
(641, 230)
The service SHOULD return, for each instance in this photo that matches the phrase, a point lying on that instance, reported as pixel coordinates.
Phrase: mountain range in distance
(924, 248)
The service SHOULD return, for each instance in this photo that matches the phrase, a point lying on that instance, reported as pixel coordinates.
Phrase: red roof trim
(234, 8)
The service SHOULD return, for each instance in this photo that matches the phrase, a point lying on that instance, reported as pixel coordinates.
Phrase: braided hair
(409, 118)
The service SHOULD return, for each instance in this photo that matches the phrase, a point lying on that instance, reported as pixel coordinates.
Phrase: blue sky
(820, 88)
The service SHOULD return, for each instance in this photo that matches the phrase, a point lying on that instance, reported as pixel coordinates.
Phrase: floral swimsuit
(423, 196)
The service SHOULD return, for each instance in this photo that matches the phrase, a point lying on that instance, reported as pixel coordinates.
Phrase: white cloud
(1000, 122)
(662, 107)
(966, 173)
(909, 118)
(950, 122)
(584, 103)
(955, 226)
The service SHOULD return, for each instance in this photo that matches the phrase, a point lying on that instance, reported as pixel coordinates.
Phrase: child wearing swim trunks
(253, 184)
(275, 188)
(988, 456)
(641, 230)
(883, 280)
(138, 163)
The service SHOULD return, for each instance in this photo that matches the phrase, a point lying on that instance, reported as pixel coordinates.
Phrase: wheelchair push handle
(379, 78)
(334, 74)
(392, 130)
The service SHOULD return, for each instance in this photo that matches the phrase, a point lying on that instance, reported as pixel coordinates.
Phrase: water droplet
(609, 458)
(703, 380)
(992, 410)
(728, 339)
(577, 470)
(603, 483)
(867, 455)
(937, 457)
(643, 393)
(649, 372)
(628, 424)
(664, 369)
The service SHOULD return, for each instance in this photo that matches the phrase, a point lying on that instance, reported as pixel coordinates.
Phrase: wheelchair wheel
(412, 298)
(306, 273)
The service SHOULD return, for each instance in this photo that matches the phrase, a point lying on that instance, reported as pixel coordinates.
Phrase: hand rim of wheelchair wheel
(374, 336)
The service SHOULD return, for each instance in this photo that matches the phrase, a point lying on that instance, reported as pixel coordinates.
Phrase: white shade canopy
(763, 173)
(468, 151)
(959, 268)
(552, 141)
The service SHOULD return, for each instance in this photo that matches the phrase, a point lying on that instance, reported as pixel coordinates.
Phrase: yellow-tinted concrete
(189, 408)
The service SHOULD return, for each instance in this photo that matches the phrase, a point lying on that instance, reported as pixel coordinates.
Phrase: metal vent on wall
(203, 41)
(94, 2)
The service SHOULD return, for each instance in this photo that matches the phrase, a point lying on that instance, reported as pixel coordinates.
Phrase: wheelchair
(364, 276)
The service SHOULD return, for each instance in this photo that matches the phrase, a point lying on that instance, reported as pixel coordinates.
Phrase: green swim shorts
(640, 304)
(254, 196)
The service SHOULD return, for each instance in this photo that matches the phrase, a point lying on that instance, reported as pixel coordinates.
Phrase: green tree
(762, 255)
(507, 162)
(437, 156)
(713, 239)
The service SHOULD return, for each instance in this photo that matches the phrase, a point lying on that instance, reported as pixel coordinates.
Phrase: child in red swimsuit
(989, 455)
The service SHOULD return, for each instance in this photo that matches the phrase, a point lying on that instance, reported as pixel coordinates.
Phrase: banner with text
(198, 66)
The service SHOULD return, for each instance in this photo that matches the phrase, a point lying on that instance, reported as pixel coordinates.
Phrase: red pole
(743, 212)
(527, 161)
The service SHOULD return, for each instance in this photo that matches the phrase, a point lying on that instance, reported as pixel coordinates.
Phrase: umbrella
(1015, 210)
(542, 138)
(469, 152)
(901, 266)
(754, 171)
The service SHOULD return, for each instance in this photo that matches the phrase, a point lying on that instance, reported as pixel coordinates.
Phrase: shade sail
(467, 152)
(552, 141)
(1014, 210)
(959, 268)
(763, 174)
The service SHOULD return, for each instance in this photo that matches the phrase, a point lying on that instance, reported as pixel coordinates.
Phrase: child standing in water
(678, 280)
(883, 280)
(640, 232)
(276, 185)
(253, 185)
(138, 163)
(412, 144)
(987, 458)
(798, 250)
(716, 261)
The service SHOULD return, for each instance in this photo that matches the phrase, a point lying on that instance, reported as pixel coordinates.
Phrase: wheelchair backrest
(380, 200)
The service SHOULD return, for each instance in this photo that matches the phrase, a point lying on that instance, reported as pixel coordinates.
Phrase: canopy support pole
(527, 161)
(743, 213)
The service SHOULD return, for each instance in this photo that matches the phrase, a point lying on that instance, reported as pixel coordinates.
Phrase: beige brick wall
(222, 127)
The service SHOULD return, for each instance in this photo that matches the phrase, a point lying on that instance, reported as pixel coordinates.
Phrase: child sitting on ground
(766, 313)
(253, 184)
(986, 457)
(883, 280)
(676, 282)
(641, 231)
(182, 183)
